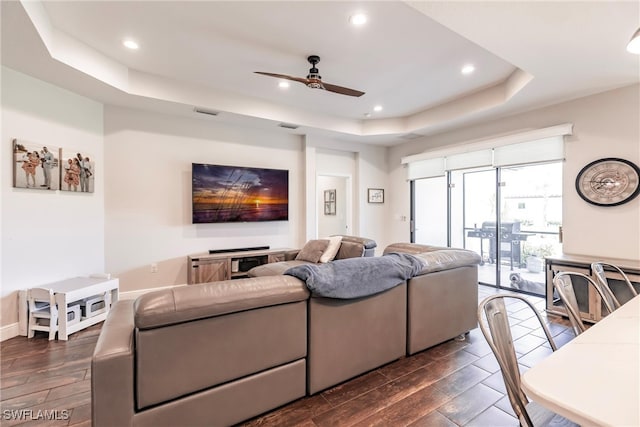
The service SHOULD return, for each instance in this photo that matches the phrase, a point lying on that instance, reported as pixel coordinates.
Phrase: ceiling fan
(314, 80)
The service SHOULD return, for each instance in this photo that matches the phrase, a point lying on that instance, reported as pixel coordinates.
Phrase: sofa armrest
(186, 303)
(274, 268)
(436, 258)
(364, 241)
(369, 245)
(412, 248)
(448, 259)
(112, 369)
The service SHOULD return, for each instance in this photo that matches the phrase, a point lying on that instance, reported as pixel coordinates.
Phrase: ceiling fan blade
(342, 90)
(284, 76)
(315, 83)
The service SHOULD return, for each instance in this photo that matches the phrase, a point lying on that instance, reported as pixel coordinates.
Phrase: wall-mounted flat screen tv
(239, 194)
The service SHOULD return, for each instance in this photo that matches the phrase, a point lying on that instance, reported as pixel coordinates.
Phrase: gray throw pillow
(313, 250)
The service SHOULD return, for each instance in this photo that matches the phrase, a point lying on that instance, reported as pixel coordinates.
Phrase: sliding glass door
(530, 217)
(477, 191)
(429, 219)
(510, 216)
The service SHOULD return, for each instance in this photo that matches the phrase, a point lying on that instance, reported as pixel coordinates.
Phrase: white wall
(373, 172)
(370, 170)
(605, 125)
(140, 212)
(48, 235)
(333, 163)
(333, 224)
(148, 194)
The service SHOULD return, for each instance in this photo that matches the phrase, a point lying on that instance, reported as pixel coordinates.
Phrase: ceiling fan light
(634, 43)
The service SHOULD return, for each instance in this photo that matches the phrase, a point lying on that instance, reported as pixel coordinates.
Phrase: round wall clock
(608, 182)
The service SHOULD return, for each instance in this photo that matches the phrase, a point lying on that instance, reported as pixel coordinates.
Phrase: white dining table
(594, 380)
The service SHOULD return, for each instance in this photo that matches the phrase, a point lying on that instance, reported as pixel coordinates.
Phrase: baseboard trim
(9, 331)
(136, 293)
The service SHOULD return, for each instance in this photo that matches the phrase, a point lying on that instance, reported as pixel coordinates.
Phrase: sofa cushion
(436, 258)
(274, 268)
(350, 250)
(448, 259)
(187, 303)
(412, 248)
(332, 250)
(313, 250)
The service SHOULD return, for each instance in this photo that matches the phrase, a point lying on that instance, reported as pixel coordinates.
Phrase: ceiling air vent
(203, 111)
(288, 126)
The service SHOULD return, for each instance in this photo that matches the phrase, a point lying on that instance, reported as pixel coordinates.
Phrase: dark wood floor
(39, 375)
(455, 383)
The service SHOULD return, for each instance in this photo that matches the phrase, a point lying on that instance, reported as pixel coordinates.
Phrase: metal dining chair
(494, 324)
(601, 279)
(563, 285)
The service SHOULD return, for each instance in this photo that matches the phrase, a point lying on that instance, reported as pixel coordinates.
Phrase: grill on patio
(510, 238)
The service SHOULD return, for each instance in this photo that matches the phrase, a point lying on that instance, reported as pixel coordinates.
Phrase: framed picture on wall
(375, 195)
(35, 165)
(329, 195)
(329, 208)
(330, 202)
(77, 172)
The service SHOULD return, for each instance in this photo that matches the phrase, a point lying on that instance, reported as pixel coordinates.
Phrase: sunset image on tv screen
(239, 194)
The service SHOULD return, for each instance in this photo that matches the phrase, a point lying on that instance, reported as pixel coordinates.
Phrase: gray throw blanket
(357, 277)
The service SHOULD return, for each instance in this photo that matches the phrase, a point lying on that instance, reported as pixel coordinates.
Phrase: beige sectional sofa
(219, 353)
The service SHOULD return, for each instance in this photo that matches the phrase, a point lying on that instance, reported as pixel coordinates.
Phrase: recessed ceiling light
(468, 69)
(377, 108)
(130, 44)
(358, 19)
(283, 85)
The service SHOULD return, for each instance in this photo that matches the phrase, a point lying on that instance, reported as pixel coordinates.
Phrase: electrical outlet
(154, 267)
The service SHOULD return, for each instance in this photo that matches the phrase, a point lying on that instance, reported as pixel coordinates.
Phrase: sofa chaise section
(209, 354)
(350, 337)
(442, 300)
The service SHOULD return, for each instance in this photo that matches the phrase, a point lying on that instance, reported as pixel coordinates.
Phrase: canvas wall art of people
(36, 166)
(77, 171)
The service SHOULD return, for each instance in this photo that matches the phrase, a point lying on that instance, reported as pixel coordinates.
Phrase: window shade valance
(428, 168)
(542, 150)
(471, 159)
(535, 146)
